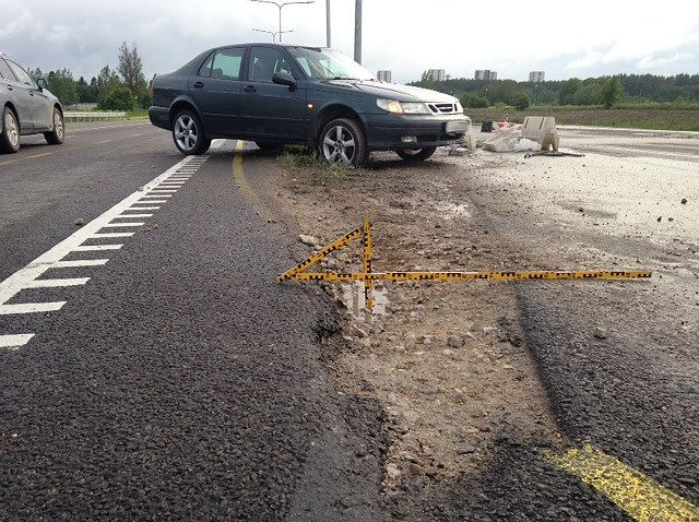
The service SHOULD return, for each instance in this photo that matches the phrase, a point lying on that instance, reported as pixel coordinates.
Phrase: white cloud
(406, 36)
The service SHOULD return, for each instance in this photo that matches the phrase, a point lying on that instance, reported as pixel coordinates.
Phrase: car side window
(227, 63)
(264, 62)
(21, 74)
(6, 72)
(205, 70)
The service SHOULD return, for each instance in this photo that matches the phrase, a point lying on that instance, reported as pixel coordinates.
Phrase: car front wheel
(55, 137)
(416, 154)
(342, 142)
(9, 137)
(188, 134)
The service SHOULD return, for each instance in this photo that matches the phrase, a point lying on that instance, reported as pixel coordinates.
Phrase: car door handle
(198, 85)
(250, 89)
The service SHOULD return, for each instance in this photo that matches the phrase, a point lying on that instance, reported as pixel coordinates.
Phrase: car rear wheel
(270, 147)
(415, 155)
(55, 137)
(9, 137)
(188, 134)
(342, 142)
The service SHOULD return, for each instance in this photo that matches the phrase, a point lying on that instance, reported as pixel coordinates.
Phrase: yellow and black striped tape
(395, 277)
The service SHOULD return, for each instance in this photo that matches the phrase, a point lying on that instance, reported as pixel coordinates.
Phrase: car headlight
(396, 107)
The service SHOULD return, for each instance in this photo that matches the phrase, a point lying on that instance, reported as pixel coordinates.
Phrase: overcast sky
(580, 39)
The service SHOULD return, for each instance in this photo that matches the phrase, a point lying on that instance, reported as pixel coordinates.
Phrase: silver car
(27, 108)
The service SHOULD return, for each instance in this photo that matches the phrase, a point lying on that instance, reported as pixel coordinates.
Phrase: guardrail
(93, 115)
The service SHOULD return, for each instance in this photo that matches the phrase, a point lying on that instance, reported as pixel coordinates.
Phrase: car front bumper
(160, 117)
(396, 132)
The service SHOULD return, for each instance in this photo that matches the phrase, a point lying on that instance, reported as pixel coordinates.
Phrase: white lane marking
(14, 341)
(132, 216)
(138, 209)
(119, 225)
(27, 277)
(30, 308)
(173, 184)
(112, 234)
(79, 263)
(156, 196)
(161, 191)
(96, 248)
(54, 283)
(152, 201)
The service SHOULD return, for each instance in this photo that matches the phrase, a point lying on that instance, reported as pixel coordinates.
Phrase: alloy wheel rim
(58, 125)
(186, 133)
(11, 126)
(339, 147)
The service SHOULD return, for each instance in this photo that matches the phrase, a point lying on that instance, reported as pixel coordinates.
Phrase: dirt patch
(447, 361)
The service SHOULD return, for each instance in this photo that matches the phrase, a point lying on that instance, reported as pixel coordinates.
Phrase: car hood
(404, 93)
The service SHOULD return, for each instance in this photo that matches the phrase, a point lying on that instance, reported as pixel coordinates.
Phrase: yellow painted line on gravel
(242, 182)
(641, 497)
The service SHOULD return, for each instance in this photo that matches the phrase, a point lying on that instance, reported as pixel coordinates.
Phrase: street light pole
(358, 31)
(273, 33)
(327, 23)
(280, 6)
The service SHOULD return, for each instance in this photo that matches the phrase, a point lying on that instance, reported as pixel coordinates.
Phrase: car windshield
(326, 64)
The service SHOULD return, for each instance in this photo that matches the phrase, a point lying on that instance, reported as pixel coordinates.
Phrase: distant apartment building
(537, 77)
(384, 76)
(437, 75)
(486, 75)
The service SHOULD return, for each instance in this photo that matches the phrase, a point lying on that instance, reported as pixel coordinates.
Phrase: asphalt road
(180, 381)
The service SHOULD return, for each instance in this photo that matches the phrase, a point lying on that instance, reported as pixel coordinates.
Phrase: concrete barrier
(93, 115)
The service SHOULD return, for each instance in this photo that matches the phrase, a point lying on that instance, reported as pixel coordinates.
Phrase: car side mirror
(284, 78)
(42, 84)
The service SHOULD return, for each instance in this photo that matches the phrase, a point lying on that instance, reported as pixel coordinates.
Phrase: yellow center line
(26, 157)
(241, 181)
(641, 497)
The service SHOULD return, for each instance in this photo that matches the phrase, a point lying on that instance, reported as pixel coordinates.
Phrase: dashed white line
(119, 225)
(54, 283)
(96, 248)
(79, 263)
(14, 341)
(112, 234)
(30, 308)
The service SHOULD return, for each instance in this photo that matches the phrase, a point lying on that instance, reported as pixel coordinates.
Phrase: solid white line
(131, 216)
(112, 234)
(24, 277)
(14, 341)
(30, 308)
(155, 196)
(118, 225)
(96, 248)
(54, 283)
(153, 201)
(80, 263)
(137, 209)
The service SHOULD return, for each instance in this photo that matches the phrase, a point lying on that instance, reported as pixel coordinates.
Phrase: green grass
(137, 114)
(648, 116)
(312, 167)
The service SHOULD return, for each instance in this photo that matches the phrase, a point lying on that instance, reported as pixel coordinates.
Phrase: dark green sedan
(280, 94)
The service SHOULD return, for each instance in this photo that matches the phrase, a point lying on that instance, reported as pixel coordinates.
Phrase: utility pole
(327, 23)
(358, 31)
(280, 6)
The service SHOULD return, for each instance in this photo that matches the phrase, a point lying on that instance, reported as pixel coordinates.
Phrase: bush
(120, 99)
(522, 101)
(475, 101)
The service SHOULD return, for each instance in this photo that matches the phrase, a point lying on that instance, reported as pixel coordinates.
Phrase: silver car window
(21, 74)
(6, 72)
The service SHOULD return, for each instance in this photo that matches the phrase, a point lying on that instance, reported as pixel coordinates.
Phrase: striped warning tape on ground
(300, 273)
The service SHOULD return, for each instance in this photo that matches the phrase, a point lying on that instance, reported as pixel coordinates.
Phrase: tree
(107, 81)
(475, 101)
(62, 86)
(119, 99)
(612, 93)
(522, 101)
(130, 68)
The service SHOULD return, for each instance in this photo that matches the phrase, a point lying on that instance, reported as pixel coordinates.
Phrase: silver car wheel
(186, 133)
(11, 129)
(58, 125)
(338, 146)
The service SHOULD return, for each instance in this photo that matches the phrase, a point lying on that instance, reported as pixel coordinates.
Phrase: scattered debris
(684, 201)
(79, 222)
(310, 241)
(601, 333)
